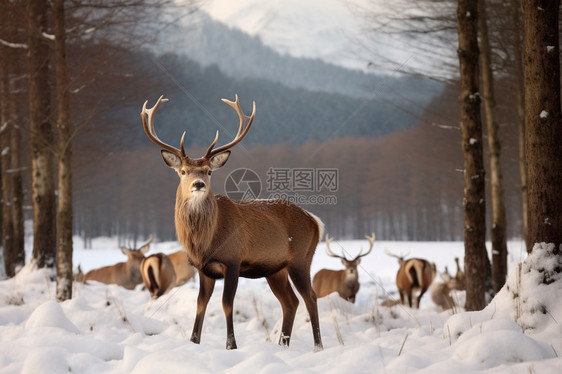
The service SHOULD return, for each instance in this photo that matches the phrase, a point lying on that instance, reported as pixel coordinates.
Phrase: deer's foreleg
(230, 285)
(206, 287)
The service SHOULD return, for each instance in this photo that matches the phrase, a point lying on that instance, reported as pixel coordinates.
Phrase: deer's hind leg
(279, 284)
(300, 275)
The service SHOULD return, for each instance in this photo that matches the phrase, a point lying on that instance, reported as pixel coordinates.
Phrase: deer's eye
(183, 172)
(209, 172)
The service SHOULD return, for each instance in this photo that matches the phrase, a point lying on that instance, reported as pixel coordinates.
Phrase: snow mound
(509, 329)
(45, 360)
(497, 342)
(535, 289)
(50, 314)
(530, 297)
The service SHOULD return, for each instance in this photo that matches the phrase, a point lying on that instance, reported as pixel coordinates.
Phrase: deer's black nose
(198, 185)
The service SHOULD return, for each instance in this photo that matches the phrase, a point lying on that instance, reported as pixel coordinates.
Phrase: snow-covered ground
(107, 329)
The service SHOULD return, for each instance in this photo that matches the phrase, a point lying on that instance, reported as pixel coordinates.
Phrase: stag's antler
(329, 251)
(245, 123)
(400, 258)
(149, 129)
(371, 240)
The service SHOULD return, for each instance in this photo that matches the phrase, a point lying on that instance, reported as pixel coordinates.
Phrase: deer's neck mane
(196, 222)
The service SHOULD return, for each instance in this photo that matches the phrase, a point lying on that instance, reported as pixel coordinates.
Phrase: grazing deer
(441, 292)
(345, 282)
(125, 274)
(414, 274)
(161, 273)
(460, 276)
(230, 239)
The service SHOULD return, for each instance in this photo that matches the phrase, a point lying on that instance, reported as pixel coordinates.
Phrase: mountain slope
(240, 55)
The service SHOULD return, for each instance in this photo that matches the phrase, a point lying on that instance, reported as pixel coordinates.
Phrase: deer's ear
(125, 251)
(171, 159)
(219, 160)
(144, 248)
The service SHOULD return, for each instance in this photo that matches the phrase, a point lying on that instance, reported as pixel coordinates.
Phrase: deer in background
(125, 274)
(161, 273)
(345, 282)
(228, 239)
(414, 274)
(441, 292)
(460, 275)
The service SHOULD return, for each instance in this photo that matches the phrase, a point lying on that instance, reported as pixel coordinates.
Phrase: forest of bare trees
(50, 119)
(74, 162)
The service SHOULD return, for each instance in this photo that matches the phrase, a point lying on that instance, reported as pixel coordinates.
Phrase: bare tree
(517, 43)
(498, 224)
(12, 194)
(64, 127)
(42, 155)
(543, 127)
(471, 128)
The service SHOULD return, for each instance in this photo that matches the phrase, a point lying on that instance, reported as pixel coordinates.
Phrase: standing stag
(125, 274)
(345, 282)
(161, 273)
(229, 239)
(414, 274)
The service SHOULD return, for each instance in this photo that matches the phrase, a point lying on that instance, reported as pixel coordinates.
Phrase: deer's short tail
(150, 269)
(319, 223)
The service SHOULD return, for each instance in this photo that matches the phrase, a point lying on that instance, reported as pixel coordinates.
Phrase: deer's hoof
(231, 344)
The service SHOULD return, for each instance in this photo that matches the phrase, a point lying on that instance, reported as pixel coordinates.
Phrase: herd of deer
(271, 239)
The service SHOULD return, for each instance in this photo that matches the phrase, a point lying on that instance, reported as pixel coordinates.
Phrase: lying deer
(228, 239)
(414, 274)
(345, 282)
(161, 273)
(125, 274)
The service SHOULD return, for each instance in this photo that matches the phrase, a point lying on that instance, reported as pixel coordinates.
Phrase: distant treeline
(406, 185)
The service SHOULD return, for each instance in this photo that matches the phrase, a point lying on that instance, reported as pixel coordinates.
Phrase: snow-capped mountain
(339, 32)
(301, 28)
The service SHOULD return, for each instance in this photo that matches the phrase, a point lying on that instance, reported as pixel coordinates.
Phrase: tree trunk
(64, 214)
(498, 225)
(543, 127)
(12, 209)
(471, 128)
(42, 155)
(520, 97)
